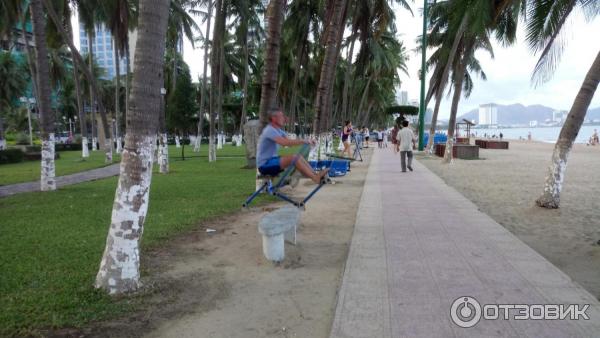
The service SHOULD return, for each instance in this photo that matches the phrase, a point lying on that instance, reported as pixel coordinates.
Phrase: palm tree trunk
(117, 97)
(128, 70)
(88, 74)
(204, 90)
(550, 197)
(268, 98)
(322, 106)
(163, 146)
(43, 84)
(82, 118)
(92, 99)
(458, 81)
(215, 75)
(347, 81)
(119, 269)
(433, 125)
(28, 52)
(245, 85)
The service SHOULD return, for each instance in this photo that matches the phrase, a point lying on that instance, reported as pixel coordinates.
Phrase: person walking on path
(380, 138)
(406, 139)
(346, 138)
(395, 131)
(366, 135)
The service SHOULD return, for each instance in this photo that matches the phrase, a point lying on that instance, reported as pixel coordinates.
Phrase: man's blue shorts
(271, 167)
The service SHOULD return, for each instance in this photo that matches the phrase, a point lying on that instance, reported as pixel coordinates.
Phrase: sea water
(542, 134)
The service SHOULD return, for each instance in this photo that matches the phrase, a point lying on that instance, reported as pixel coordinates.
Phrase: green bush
(22, 138)
(33, 149)
(11, 156)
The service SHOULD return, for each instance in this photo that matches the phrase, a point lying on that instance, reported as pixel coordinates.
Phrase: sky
(508, 73)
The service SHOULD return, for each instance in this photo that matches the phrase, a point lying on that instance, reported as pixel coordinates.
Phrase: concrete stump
(276, 228)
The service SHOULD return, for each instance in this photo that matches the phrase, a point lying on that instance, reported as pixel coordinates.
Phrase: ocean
(543, 134)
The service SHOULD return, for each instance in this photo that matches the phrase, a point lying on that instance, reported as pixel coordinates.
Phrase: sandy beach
(505, 183)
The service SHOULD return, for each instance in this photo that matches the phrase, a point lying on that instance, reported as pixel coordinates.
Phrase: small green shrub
(11, 156)
(22, 138)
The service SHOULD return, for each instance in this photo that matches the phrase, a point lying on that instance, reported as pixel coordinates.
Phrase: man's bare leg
(303, 167)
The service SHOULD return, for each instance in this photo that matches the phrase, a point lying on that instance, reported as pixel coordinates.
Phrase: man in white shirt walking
(406, 139)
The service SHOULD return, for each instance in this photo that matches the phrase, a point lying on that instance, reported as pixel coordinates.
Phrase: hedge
(11, 156)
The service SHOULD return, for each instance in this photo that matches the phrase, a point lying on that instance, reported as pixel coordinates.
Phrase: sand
(219, 284)
(505, 183)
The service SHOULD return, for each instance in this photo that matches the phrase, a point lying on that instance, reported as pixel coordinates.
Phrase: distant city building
(559, 115)
(533, 123)
(414, 103)
(488, 114)
(403, 97)
(19, 38)
(103, 51)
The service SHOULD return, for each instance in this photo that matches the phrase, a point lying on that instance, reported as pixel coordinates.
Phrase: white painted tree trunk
(322, 146)
(163, 155)
(197, 143)
(220, 141)
(212, 151)
(108, 148)
(85, 151)
(252, 131)
(177, 143)
(555, 178)
(329, 147)
(448, 152)
(94, 144)
(119, 268)
(2, 144)
(119, 146)
(47, 180)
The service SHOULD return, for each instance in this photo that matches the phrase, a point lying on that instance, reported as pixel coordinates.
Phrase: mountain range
(520, 114)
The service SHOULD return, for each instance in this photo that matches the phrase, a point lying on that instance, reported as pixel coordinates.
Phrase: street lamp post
(423, 75)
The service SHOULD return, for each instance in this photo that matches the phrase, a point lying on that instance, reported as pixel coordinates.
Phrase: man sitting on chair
(272, 136)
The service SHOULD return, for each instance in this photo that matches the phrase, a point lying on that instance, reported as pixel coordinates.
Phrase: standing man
(406, 139)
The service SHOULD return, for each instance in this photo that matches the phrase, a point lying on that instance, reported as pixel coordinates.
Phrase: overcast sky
(509, 73)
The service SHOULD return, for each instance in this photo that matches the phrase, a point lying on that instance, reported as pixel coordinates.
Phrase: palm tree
(546, 22)
(78, 93)
(43, 84)
(118, 14)
(13, 85)
(333, 37)
(59, 26)
(119, 269)
(475, 21)
(203, 88)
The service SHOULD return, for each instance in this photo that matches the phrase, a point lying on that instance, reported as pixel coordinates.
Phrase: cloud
(509, 73)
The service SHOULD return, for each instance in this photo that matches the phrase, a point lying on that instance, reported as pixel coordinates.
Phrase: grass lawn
(70, 162)
(52, 242)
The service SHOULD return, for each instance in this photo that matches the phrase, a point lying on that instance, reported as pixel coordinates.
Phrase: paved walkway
(413, 253)
(61, 181)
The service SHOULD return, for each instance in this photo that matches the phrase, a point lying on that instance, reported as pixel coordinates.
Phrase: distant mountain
(520, 114)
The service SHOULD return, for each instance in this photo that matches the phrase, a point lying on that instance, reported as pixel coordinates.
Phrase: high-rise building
(20, 37)
(102, 47)
(488, 114)
(402, 98)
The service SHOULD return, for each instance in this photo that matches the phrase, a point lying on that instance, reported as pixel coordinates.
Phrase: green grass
(52, 242)
(70, 162)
